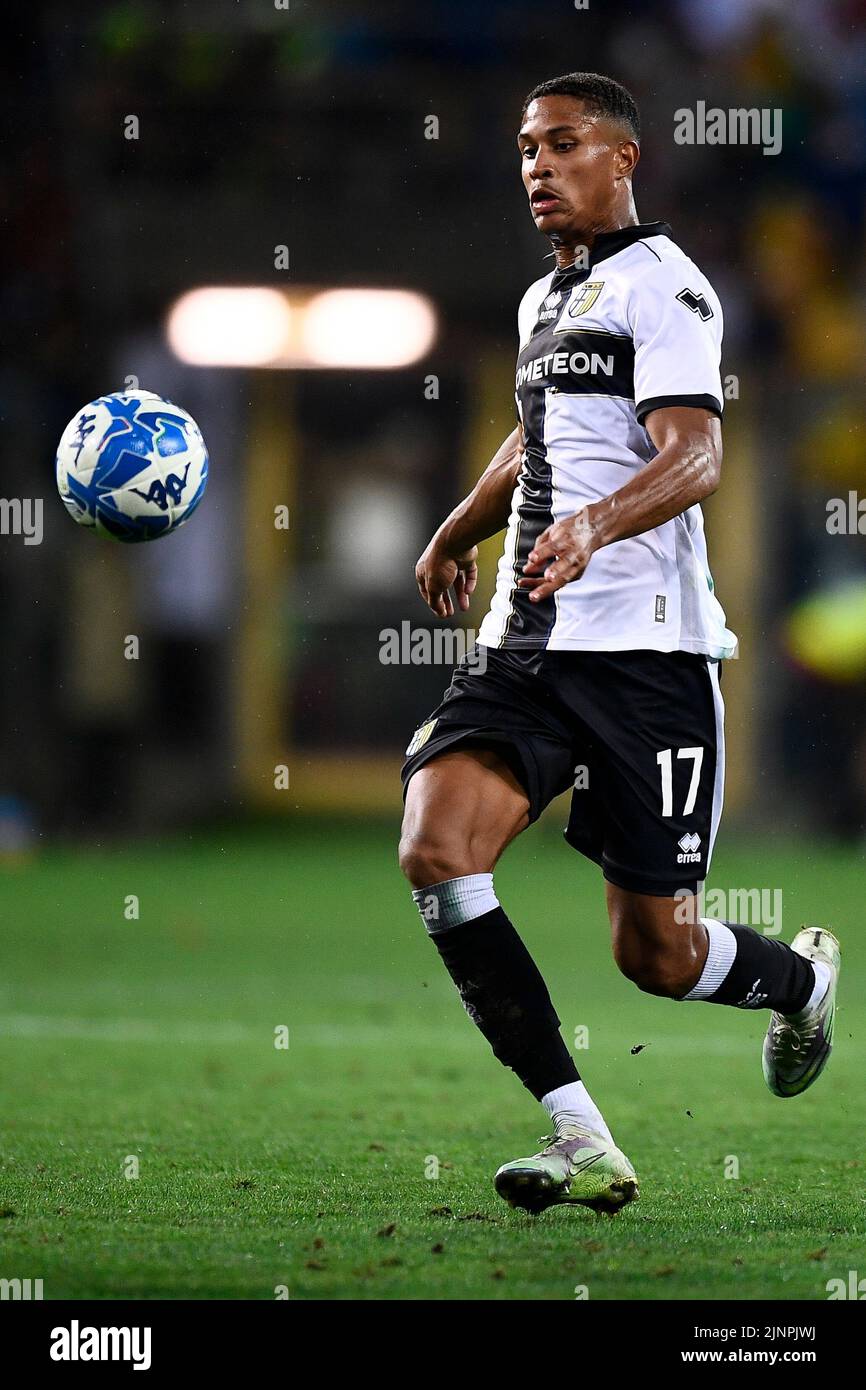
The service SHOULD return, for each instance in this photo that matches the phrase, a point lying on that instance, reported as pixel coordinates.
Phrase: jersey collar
(609, 243)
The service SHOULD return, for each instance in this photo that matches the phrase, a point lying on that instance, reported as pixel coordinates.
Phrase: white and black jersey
(600, 348)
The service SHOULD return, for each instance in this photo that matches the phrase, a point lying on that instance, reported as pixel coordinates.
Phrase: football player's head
(579, 144)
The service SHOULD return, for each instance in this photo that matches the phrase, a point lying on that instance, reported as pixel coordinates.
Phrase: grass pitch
(357, 1161)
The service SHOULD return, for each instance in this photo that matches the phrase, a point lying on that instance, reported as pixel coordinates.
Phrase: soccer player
(601, 653)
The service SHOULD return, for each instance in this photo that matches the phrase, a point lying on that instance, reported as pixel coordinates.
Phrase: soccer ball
(132, 466)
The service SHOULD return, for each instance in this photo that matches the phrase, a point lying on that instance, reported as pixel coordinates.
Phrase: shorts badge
(420, 737)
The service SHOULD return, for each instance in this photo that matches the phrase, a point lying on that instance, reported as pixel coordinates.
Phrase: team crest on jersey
(420, 737)
(583, 298)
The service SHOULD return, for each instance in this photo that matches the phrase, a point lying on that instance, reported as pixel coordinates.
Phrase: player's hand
(560, 555)
(437, 573)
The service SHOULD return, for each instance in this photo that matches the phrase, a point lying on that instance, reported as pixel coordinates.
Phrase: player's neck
(579, 245)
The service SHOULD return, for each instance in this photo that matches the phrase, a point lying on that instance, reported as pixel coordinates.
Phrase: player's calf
(462, 809)
(724, 963)
(651, 947)
(719, 962)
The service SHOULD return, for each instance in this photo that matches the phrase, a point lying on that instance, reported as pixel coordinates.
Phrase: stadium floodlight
(230, 326)
(367, 328)
(249, 326)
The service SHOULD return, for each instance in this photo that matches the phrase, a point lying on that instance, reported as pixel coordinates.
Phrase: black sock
(503, 993)
(765, 974)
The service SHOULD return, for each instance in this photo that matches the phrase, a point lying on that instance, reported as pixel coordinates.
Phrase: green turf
(305, 1167)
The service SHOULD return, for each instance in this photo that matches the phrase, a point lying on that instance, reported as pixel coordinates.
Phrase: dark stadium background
(305, 127)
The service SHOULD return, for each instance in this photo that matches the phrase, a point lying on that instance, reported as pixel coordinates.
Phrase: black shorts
(638, 735)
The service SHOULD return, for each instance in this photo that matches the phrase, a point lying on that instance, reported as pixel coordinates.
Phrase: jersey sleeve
(676, 322)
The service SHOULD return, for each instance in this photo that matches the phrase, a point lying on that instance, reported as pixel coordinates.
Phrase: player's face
(572, 163)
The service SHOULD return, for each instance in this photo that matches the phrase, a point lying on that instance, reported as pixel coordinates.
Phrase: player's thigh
(463, 808)
(655, 786)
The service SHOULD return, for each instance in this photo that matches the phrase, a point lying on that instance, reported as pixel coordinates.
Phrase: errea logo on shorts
(689, 844)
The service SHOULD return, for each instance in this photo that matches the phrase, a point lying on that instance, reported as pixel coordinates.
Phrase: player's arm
(450, 558)
(686, 469)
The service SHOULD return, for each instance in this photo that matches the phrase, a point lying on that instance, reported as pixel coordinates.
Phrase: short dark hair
(603, 96)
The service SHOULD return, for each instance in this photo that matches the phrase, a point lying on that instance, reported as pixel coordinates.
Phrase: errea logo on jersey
(551, 307)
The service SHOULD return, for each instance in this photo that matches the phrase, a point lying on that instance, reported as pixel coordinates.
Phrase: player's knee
(426, 859)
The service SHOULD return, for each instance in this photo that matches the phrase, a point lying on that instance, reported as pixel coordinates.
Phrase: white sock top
(573, 1103)
(455, 901)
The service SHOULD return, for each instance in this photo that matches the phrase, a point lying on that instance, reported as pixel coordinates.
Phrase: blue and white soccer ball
(132, 465)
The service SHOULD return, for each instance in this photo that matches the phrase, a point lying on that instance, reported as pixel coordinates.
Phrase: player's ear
(627, 156)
